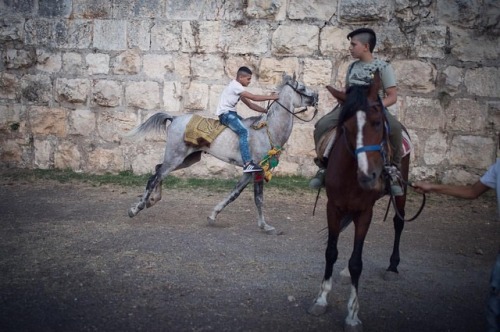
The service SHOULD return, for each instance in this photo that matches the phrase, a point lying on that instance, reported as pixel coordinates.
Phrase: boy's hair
(366, 36)
(244, 71)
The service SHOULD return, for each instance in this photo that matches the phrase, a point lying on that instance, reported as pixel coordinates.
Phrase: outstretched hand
(422, 187)
(274, 96)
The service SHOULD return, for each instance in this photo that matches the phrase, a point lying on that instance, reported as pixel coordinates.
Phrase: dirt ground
(72, 260)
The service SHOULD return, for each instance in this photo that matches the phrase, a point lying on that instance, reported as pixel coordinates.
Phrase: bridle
(302, 110)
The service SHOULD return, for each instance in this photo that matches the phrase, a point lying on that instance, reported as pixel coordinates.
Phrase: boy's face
(244, 79)
(357, 48)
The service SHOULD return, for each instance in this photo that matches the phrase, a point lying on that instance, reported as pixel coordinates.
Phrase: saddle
(201, 131)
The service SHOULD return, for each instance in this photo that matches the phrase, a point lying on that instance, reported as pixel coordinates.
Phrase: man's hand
(274, 96)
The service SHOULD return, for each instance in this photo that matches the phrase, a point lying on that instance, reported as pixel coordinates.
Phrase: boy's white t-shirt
(230, 97)
(492, 179)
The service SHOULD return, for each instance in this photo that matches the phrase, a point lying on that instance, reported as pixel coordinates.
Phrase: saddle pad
(202, 131)
(407, 144)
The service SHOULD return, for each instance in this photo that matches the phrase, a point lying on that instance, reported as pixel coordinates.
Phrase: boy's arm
(251, 96)
(253, 106)
(468, 192)
(391, 96)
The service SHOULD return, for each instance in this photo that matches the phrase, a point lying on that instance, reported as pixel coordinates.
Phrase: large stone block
(47, 61)
(138, 8)
(55, 8)
(458, 13)
(214, 98)
(17, 59)
(39, 32)
(295, 40)
(44, 153)
(469, 45)
(451, 78)
(110, 35)
(435, 147)
(92, 9)
(36, 89)
(266, 9)
(112, 124)
(271, 70)
(127, 63)
(201, 37)
(430, 42)
(366, 10)
(317, 72)
(466, 115)
(47, 121)
(415, 75)
(207, 67)
(196, 97)
(103, 160)
(494, 116)
(483, 81)
(19, 7)
(11, 29)
(143, 95)
(107, 93)
(138, 34)
(142, 158)
(316, 9)
(166, 36)
(9, 86)
(172, 97)
(422, 113)
(82, 122)
(158, 66)
(472, 151)
(97, 63)
(72, 63)
(245, 39)
(74, 91)
(183, 10)
(74, 34)
(67, 156)
(333, 41)
(13, 121)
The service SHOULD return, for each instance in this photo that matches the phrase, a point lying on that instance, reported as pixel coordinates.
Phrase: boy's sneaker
(318, 180)
(251, 167)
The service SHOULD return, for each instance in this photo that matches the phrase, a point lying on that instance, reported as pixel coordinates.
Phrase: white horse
(178, 154)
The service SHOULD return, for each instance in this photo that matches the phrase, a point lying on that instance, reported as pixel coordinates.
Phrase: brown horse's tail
(156, 123)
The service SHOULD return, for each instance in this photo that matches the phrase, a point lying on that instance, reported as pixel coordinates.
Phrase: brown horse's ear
(374, 86)
(339, 95)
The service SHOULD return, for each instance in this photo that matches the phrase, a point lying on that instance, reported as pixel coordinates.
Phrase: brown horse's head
(362, 119)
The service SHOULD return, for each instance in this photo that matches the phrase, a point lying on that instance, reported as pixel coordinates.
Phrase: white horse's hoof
(353, 328)
(133, 211)
(211, 221)
(317, 310)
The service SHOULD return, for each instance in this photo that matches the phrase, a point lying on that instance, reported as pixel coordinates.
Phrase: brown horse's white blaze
(362, 157)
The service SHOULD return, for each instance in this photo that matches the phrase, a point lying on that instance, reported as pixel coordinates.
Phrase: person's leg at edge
(396, 139)
(235, 124)
(493, 302)
(327, 122)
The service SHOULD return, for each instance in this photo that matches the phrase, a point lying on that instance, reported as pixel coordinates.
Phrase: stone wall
(77, 74)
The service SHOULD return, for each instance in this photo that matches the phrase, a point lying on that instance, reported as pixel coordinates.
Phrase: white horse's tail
(156, 123)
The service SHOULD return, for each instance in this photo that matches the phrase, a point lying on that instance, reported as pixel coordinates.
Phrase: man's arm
(468, 192)
(251, 96)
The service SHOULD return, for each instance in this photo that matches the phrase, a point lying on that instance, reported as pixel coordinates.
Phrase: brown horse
(355, 180)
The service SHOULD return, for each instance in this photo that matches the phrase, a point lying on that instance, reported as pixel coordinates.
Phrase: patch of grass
(128, 179)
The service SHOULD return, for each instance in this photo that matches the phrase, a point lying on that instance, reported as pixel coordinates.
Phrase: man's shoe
(251, 167)
(318, 180)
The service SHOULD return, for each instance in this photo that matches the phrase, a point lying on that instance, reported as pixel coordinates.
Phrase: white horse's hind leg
(258, 189)
(352, 322)
(321, 302)
(242, 183)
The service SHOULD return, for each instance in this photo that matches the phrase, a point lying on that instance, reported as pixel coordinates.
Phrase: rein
(292, 112)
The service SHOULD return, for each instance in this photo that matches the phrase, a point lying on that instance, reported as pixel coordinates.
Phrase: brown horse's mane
(356, 99)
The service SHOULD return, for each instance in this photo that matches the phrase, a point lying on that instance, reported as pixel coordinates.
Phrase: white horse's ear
(294, 77)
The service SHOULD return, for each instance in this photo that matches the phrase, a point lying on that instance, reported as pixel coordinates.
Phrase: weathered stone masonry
(77, 74)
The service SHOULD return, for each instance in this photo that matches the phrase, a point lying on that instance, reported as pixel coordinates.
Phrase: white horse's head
(297, 92)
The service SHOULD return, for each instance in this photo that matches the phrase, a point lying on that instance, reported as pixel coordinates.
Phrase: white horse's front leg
(321, 301)
(352, 322)
(258, 191)
(242, 183)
